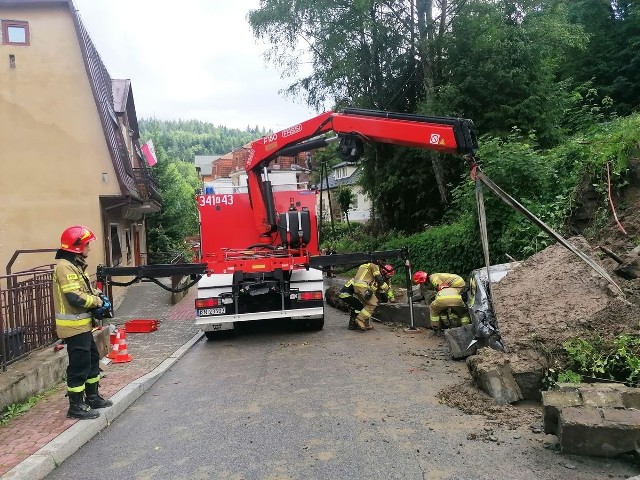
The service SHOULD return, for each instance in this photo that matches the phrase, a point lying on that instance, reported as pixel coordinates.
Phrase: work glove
(105, 311)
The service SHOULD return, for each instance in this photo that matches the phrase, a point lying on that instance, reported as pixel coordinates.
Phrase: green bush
(615, 359)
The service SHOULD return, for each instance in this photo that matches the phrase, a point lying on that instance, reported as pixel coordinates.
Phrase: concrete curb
(45, 460)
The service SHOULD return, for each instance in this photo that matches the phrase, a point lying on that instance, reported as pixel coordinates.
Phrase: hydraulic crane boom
(353, 127)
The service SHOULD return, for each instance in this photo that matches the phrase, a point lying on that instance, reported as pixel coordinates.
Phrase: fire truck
(259, 256)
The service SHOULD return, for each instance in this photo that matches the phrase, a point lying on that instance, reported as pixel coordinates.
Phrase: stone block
(631, 398)
(601, 432)
(530, 383)
(459, 339)
(567, 387)
(553, 401)
(528, 371)
(495, 378)
(400, 313)
(622, 416)
(600, 396)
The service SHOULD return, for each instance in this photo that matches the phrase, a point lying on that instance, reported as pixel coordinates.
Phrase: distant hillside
(183, 139)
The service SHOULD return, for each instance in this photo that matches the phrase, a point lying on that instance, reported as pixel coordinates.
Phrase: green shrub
(615, 359)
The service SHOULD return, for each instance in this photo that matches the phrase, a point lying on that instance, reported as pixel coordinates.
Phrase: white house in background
(344, 174)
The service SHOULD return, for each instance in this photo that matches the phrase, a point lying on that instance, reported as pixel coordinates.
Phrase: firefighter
(448, 308)
(370, 282)
(75, 302)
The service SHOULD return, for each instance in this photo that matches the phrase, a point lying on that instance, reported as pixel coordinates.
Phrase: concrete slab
(459, 339)
(631, 398)
(553, 401)
(592, 431)
(601, 396)
(495, 378)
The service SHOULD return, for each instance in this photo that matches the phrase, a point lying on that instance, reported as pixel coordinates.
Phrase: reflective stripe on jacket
(366, 278)
(73, 299)
(446, 280)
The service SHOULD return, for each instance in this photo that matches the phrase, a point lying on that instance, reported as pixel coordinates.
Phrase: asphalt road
(275, 403)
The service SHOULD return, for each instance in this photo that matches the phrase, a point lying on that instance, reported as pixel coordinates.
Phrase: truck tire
(315, 324)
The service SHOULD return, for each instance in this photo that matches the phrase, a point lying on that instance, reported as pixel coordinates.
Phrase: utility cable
(613, 208)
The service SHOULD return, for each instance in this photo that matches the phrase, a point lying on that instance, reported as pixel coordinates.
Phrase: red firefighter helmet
(75, 238)
(420, 277)
(387, 271)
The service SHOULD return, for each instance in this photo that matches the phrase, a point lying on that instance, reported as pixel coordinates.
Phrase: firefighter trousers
(448, 299)
(368, 306)
(84, 360)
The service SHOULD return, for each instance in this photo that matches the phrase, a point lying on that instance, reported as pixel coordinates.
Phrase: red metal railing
(27, 317)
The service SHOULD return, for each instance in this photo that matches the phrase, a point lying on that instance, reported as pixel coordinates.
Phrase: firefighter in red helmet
(74, 301)
(370, 282)
(448, 308)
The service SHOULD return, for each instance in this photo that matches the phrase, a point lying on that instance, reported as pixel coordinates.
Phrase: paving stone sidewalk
(25, 435)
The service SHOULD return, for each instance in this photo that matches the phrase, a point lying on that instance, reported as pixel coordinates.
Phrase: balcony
(147, 185)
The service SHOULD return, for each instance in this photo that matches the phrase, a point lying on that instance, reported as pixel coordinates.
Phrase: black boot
(78, 409)
(352, 321)
(94, 400)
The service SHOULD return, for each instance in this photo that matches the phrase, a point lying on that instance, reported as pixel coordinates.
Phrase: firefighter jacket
(73, 297)
(440, 281)
(369, 277)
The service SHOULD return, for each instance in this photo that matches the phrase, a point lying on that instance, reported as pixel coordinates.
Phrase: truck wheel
(315, 324)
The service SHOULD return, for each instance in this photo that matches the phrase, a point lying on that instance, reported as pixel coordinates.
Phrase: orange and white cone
(114, 339)
(119, 349)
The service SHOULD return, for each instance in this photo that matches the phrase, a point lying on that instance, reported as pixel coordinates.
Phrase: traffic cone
(114, 340)
(120, 349)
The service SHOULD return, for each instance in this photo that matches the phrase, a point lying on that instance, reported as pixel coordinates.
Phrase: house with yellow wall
(69, 143)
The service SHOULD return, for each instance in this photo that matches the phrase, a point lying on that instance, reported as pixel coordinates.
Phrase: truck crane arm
(353, 127)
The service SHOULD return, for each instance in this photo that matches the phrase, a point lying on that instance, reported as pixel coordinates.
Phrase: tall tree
(611, 61)
(178, 217)
(503, 62)
(345, 199)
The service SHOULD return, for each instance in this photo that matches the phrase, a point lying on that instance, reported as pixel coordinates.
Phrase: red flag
(149, 153)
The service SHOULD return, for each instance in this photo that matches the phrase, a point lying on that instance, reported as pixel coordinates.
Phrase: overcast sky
(193, 59)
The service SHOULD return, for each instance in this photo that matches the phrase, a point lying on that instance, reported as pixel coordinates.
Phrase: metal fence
(27, 318)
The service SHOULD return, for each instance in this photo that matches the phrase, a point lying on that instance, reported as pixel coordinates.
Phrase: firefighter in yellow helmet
(448, 308)
(74, 301)
(370, 281)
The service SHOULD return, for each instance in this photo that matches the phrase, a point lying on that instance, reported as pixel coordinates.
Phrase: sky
(193, 59)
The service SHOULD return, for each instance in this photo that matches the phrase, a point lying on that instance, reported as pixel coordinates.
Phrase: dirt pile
(472, 401)
(547, 299)
(554, 296)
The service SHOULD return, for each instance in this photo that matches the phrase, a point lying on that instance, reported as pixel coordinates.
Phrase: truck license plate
(204, 312)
